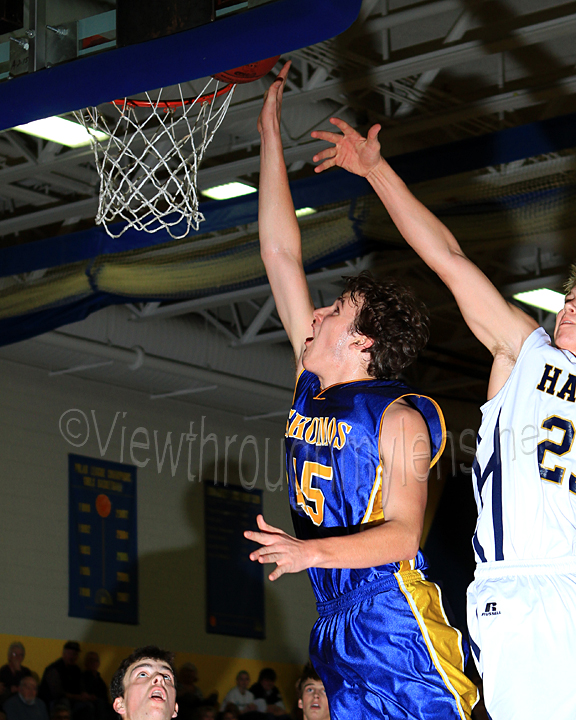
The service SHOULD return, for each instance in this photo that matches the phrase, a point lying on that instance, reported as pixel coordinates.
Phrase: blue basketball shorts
(387, 650)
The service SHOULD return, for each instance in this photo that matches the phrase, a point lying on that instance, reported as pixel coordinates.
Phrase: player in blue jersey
(359, 447)
(522, 603)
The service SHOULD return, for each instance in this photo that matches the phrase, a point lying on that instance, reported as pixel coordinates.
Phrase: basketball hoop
(148, 163)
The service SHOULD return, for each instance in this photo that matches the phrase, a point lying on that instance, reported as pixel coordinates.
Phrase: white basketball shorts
(522, 624)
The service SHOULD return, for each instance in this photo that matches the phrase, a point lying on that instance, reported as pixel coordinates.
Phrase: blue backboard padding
(232, 41)
(335, 186)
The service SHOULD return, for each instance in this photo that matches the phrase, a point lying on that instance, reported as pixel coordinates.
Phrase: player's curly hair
(571, 282)
(149, 652)
(391, 316)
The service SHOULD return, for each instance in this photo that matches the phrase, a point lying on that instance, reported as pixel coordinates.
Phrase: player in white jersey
(522, 603)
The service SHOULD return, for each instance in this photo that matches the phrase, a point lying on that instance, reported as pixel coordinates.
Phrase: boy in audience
(143, 687)
(312, 698)
(267, 696)
(240, 696)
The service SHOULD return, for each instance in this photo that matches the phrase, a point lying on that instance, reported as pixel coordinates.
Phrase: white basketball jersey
(524, 473)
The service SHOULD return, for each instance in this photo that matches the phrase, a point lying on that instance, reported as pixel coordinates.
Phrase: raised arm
(280, 242)
(500, 326)
(405, 454)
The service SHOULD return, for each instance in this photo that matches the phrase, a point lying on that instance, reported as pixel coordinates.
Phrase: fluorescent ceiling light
(543, 298)
(62, 131)
(229, 190)
(302, 212)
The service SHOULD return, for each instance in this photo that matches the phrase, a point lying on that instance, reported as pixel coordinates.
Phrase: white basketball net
(148, 165)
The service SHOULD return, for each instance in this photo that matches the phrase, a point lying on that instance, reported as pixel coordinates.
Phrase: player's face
(332, 337)
(314, 703)
(565, 330)
(149, 692)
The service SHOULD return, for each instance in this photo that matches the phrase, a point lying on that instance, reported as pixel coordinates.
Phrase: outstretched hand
(278, 547)
(351, 151)
(272, 107)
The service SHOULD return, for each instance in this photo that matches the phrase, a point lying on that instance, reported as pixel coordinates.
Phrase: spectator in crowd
(13, 671)
(62, 684)
(91, 679)
(189, 696)
(265, 689)
(60, 712)
(231, 712)
(95, 687)
(240, 696)
(312, 699)
(144, 686)
(205, 713)
(187, 679)
(24, 705)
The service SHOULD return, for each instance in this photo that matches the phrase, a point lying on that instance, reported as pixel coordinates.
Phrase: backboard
(58, 57)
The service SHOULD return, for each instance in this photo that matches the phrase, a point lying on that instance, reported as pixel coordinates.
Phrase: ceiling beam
(82, 209)
(128, 356)
(459, 53)
(25, 195)
(513, 100)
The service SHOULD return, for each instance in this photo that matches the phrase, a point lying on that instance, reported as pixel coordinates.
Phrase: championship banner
(234, 584)
(103, 548)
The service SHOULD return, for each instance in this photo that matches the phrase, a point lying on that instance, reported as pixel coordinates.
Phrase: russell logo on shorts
(491, 609)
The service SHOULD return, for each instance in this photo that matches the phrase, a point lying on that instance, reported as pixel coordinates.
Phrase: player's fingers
(280, 81)
(275, 574)
(272, 92)
(326, 135)
(280, 95)
(325, 154)
(284, 72)
(259, 537)
(263, 525)
(326, 165)
(373, 132)
(343, 126)
(262, 554)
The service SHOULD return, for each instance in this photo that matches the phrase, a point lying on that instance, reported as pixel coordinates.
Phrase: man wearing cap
(62, 682)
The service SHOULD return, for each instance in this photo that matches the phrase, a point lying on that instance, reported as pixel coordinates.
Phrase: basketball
(248, 73)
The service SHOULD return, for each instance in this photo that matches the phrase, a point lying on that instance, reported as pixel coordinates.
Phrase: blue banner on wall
(103, 547)
(234, 584)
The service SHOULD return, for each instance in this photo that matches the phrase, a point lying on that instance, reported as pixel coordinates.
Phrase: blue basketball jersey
(334, 469)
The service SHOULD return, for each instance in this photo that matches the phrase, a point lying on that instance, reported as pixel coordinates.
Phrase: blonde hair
(571, 282)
